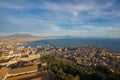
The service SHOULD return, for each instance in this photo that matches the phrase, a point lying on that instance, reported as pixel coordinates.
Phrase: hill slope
(20, 35)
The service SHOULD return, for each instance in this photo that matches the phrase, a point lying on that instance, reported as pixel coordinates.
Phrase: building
(3, 73)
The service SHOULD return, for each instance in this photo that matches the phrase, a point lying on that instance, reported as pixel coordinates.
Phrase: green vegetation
(66, 70)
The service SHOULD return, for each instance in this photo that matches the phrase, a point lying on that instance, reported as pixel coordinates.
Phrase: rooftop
(3, 71)
(31, 76)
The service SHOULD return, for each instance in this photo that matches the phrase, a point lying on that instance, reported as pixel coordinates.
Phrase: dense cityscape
(18, 62)
(59, 39)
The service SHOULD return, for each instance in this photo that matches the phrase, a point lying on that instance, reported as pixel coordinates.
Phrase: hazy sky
(84, 18)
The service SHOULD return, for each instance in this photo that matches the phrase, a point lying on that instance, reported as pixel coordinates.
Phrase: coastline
(77, 42)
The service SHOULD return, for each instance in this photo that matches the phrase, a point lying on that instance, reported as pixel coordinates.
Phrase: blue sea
(109, 44)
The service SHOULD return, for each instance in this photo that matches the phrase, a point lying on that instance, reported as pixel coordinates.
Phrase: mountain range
(21, 35)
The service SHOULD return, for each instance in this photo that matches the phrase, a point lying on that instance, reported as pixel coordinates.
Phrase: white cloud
(97, 31)
(10, 5)
(73, 9)
(92, 8)
(76, 14)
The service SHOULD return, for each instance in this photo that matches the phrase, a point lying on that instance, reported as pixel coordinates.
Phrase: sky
(82, 18)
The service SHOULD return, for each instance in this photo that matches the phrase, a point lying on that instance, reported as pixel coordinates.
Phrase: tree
(97, 76)
(76, 77)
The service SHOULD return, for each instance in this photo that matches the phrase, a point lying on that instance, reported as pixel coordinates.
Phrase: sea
(109, 44)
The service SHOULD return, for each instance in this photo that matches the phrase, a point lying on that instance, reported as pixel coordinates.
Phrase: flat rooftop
(23, 69)
(31, 76)
(3, 71)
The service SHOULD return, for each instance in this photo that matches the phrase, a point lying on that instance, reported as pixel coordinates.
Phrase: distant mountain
(62, 37)
(65, 37)
(57, 37)
(21, 35)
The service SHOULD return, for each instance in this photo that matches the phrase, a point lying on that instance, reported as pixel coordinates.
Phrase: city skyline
(88, 18)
